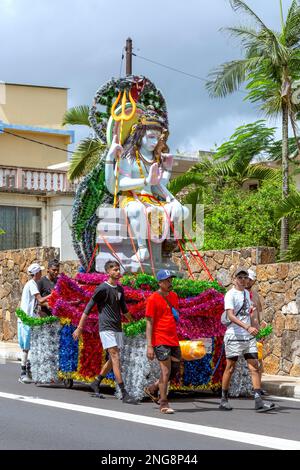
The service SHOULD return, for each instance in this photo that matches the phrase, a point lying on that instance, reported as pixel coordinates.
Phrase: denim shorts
(24, 336)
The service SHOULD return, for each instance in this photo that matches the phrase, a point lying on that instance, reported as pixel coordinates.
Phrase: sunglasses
(242, 277)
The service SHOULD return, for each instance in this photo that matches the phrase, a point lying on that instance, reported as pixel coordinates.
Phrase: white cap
(251, 275)
(35, 268)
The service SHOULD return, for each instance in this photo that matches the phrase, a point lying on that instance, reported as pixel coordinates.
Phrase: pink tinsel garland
(199, 315)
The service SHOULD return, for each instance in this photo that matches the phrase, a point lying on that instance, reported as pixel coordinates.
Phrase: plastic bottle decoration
(192, 350)
(259, 350)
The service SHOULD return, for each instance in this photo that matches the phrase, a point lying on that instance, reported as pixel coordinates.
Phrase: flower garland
(34, 321)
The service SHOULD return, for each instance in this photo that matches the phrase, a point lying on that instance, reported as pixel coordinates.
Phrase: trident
(121, 118)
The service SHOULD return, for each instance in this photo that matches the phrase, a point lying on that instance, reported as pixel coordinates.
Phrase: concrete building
(35, 196)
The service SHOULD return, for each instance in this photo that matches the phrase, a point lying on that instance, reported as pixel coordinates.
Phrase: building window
(21, 226)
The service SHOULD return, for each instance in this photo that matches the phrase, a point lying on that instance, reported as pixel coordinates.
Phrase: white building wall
(60, 218)
(56, 215)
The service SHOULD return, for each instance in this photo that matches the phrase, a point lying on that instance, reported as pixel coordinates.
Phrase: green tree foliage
(235, 218)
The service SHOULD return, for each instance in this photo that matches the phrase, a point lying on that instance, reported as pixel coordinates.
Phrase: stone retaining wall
(279, 287)
(223, 263)
(13, 277)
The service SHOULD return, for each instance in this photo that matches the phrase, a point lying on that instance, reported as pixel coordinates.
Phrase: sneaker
(129, 399)
(95, 386)
(24, 379)
(224, 405)
(263, 406)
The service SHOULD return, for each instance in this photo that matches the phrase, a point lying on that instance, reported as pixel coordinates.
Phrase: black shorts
(163, 352)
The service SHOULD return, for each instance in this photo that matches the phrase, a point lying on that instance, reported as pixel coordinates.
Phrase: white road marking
(275, 397)
(219, 433)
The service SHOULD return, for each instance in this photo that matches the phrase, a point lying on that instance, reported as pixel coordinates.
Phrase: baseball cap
(164, 274)
(252, 275)
(35, 268)
(241, 270)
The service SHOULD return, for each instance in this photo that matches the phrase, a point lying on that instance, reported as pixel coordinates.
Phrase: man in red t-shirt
(162, 339)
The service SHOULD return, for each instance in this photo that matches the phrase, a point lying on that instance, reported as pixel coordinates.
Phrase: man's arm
(124, 308)
(231, 316)
(257, 304)
(83, 318)
(149, 327)
(40, 299)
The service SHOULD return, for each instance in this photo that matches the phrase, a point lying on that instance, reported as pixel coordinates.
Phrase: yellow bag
(259, 350)
(192, 350)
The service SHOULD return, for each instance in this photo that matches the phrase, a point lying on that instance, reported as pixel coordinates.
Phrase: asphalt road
(51, 417)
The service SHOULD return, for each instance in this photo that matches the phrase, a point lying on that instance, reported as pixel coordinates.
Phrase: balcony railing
(34, 180)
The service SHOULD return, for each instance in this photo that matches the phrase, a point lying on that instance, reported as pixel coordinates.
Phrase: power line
(197, 77)
(37, 142)
(171, 68)
(58, 148)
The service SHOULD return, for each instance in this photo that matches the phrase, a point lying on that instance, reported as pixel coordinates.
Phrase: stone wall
(13, 277)
(223, 263)
(279, 287)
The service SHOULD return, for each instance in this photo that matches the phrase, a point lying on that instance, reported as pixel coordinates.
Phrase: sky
(78, 44)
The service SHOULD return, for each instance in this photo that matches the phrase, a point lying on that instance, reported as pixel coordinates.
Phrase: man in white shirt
(31, 297)
(240, 339)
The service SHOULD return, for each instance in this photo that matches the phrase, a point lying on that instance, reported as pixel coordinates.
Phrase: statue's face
(150, 139)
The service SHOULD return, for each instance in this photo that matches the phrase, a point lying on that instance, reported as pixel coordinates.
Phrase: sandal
(165, 408)
(151, 395)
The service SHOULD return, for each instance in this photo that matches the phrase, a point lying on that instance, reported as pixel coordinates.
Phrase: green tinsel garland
(183, 287)
(90, 200)
(135, 328)
(264, 332)
(34, 321)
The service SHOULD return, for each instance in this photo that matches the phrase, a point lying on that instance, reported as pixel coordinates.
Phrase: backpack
(225, 320)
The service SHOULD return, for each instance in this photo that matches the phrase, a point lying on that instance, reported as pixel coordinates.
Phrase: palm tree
(87, 153)
(270, 66)
(291, 207)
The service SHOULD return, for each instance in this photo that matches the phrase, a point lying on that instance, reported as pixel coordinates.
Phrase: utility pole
(128, 49)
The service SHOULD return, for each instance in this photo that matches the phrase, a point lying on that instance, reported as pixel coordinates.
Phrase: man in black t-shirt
(46, 285)
(110, 300)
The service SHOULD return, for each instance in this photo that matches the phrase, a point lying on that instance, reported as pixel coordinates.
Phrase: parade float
(123, 210)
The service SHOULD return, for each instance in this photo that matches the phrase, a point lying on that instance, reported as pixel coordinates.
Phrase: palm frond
(183, 181)
(289, 207)
(293, 252)
(229, 76)
(247, 35)
(79, 115)
(292, 25)
(85, 158)
(240, 5)
(262, 173)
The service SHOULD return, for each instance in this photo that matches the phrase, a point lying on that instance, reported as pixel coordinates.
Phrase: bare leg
(229, 369)
(114, 354)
